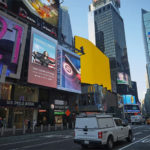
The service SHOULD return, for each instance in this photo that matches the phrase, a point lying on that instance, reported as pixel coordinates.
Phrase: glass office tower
(65, 29)
(104, 17)
(146, 37)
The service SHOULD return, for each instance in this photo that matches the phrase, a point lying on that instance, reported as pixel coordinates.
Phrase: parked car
(137, 119)
(100, 129)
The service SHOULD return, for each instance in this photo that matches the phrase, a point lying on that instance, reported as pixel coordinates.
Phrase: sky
(131, 13)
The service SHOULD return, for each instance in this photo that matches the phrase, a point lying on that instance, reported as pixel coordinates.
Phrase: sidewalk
(40, 129)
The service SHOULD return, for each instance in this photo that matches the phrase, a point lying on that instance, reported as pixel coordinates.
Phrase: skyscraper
(104, 17)
(146, 37)
(65, 29)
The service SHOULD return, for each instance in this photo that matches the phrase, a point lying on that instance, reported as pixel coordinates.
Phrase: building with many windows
(146, 36)
(65, 29)
(104, 17)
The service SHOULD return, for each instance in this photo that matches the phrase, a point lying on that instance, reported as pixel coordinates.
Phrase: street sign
(67, 112)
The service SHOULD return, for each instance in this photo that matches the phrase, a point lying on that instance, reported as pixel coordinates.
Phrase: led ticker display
(68, 71)
(42, 66)
(12, 43)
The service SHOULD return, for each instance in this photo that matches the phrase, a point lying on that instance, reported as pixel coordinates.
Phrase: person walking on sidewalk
(29, 125)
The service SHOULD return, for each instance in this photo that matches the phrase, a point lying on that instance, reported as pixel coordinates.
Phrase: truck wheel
(110, 143)
(84, 146)
(130, 137)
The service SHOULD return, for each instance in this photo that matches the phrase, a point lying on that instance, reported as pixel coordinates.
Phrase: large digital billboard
(42, 63)
(122, 78)
(129, 99)
(12, 43)
(42, 13)
(68, 70)
(44, 9)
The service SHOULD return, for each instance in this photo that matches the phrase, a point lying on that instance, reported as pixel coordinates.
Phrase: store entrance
(18, 119)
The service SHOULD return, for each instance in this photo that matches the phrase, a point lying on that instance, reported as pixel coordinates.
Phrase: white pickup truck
(101, 129)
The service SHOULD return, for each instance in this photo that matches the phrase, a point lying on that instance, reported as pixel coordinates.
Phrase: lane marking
(134, 143)
(19, 142)
(146, 141)
(58, 136)
(137, 127)
(36, 145)
(138, 133)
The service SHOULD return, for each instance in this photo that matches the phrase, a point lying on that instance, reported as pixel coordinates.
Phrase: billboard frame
(61, 49)
(22, 48)
(32, 65)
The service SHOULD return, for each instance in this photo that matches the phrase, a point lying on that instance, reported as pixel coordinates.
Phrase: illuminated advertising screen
(12, 43)
(122, 78)
(42, 63)
(68, 70)
(129, 99)
(42, 13)
(131, 109)
(44, 9)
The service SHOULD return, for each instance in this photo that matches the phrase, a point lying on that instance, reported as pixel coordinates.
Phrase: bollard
(67, 125)
(62, 127)
(24, 129)
(2, 131)
(55, 127)
(41, 128)
(72, 125)
(14, 130)
(33, 128)
(49, 127)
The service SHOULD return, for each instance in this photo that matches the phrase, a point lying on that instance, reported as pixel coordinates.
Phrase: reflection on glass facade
(65, 28)
(108, 22)
(146, 32)
(146, 36)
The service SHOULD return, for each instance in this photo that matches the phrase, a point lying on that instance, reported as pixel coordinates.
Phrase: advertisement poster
(129, 99)
(69, 75)
(42, 66)
(12, 44)
(122, 78)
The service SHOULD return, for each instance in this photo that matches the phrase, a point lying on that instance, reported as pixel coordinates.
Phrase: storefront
(18, 104)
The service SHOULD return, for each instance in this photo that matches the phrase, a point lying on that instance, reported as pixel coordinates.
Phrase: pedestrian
(34, 123)
(4, 123)
(1, 122)
(29, 125)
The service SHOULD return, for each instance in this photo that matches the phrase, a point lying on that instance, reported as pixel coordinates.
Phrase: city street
(63, 140)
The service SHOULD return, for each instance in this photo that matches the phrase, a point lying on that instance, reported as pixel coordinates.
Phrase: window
(118, 122)
(99, 10)
(108, 7)
(105, 122)
(95, 12)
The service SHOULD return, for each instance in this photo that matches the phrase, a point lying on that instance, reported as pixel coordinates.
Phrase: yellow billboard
(95, 67)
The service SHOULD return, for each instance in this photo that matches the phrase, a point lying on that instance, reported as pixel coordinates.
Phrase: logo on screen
(67, 68)
(132, 99)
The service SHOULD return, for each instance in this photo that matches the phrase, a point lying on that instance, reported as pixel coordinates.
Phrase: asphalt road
(63, 140)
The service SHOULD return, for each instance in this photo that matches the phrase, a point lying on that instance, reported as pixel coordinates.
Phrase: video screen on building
(129, 99)
(44, 9)
(122, 78)
(131, 108)
(12, 43)
(68, 71)
(42, 63)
